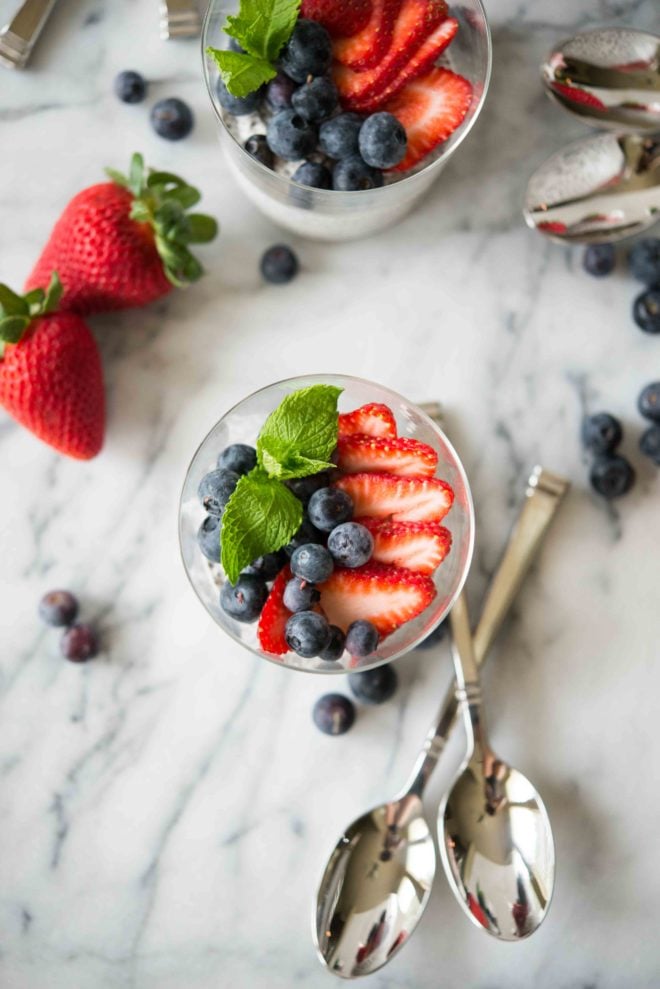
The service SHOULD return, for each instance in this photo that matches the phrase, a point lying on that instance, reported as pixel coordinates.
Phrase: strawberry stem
(18, 311)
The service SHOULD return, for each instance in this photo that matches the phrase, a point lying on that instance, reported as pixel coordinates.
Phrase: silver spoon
(378, 878)
(609, 77)
(603, 188)
(493, 829)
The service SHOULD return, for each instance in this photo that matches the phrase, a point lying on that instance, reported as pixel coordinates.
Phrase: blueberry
(130, 87)
(239, 458)
(279, 264)
(611, 476)
(304, 487)
(601, 433)
(644, 260)
(351, 544)
(313, 174)
(382, 140)
(308, 51)
(352, 174)
(338, 138)
(215, 489)
(374, 686)
(646, 311)
(312, 562)
(257, 147)
(208, 538)
(333, 714)
(316, 99)
(648, 402)
(268, 566)
(239, 106)
(361, 638)
(649, 443)
(299, 595)
(58, 608)
(432, 639)
(329, 507)
(290, 136)
(244, 599)
(279, 92)
(305, 534)
(79, 643)
(599, 259)
(172, 119)
(335, 647)
(307, 633)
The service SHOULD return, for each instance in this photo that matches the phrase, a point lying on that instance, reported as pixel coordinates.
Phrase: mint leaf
(300, 435)
(263, 27)
(261, 516)
(242, 74)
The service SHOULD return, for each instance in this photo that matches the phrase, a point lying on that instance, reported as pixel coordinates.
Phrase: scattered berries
(279, 264)
(601, 433)
(244, 600)
(644, 260)
(611, 476)
(646, 311)
(649, 444)
(599, 259)
(130, 87)
(79, 643)
(374, 686)
(361, 638)
(333, 714)
(648, 402)
(172, 119)
(58, 608)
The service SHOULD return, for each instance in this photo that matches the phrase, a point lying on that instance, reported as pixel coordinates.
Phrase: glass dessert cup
(241, 425)
(327, 214)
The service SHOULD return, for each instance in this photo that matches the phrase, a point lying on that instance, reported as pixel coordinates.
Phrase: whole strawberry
(50, 371)
(124, 243)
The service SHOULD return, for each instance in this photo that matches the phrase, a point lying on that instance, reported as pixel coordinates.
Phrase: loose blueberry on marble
(257, 147)
(316, 99)
(601, 433)
(599, 259)
(130, 87)
(208, 538)
(279, 264)
(351, 544)
(646, 311)
(79, 643)
(304, 487)
(361, 638)
(328, 508)
(240, 106)
(58, 608)
(244, 600)
(305, 534)
(313, 174)
(382, 140)
(611, 476)
(644, 260)
(432, 639)
(308, 51)
(267, 567)
(649, 444)
(216, 488)
(338, 137)
(312, 562)
(307, 633)
(290, 136)
(172, 119)
(648, 402)
(333, 714)
(374, 686)
(239, 458)
(279, 92)
(335, 647)
(352, 174)
(300, 595)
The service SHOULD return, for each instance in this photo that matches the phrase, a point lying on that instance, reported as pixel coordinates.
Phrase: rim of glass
(329, 378)
(331, 195)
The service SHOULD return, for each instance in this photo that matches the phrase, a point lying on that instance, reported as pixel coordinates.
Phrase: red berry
(79, 643)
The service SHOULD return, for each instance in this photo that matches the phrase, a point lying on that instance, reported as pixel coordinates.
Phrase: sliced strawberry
(274, 616)
(386, 456)
(365, 49)
(577, 95)
(423, 59)
(403, 499)
(418, 546)
(374, 419)
(386, 596)
(416, 20)
(430, 108)
(340, 18)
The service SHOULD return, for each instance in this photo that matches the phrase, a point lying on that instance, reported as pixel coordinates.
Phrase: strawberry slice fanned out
(386, 596)
(274, 616)
(340, 18)
(402, 455)
(430, 108)
(416, 20)
(365, 49)
(402, 499)
(374, 419)
(418, 546)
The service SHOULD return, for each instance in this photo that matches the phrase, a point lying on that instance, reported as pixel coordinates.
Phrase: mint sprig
(262, 28)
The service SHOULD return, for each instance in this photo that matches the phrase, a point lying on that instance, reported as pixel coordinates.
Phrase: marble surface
(165, 811)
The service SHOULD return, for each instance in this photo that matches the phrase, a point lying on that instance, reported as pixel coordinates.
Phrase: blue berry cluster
(79, 641)
(644, 265)
(170, 118)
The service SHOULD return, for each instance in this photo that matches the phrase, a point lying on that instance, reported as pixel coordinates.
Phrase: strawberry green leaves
(18, 311)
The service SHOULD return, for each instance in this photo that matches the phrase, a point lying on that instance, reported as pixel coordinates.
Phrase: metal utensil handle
(18, 38)
(545, 492)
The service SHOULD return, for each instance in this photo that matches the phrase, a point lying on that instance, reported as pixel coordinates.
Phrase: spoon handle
(545, 493)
